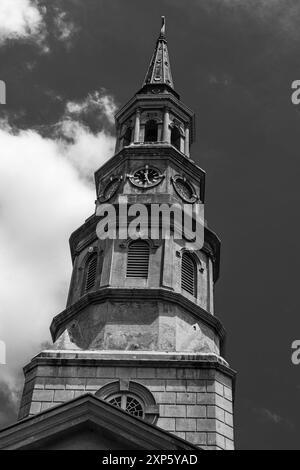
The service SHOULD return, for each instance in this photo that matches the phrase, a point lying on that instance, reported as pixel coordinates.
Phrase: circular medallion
(110, 189)
(184, 189)
(146, 177)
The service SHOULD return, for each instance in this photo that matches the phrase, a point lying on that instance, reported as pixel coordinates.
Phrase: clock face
(146, 177)
(110, 189)
(184, 189)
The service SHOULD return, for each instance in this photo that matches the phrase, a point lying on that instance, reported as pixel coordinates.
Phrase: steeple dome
(159, 71)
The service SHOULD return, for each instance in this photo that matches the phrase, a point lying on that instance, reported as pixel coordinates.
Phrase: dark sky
(233, 64)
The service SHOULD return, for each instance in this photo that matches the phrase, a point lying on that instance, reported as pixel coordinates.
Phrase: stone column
(166, 133)
(210, 276)
(118, 146)
(187, 141)
(136, 138)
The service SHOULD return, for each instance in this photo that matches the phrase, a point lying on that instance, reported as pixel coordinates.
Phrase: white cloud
(65, 28)
(84, 153)
(99, 102)
(44, 195)
(279, 15)
(20, 19)
(26, 20)
(269, 416)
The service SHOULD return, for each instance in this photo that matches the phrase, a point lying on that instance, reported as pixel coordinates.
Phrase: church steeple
(156, 116)
(159, 71)
(139, 329)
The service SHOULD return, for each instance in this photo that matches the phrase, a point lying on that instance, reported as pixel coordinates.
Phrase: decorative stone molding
(154, 244)
(110, 187)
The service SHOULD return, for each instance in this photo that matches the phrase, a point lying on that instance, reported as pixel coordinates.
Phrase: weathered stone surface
(196, 411)
(106, 372)
(185, 424)
(228, 419)
(197, 438)
(225, 430)
(223, 403)
(214, 439)
(215, 387)
(43, 395)
(146, 325)
(188, 397)
(206, 398)
(165, 397)
(63, 395)
(229, 444)
(95, 384)
(76, 383)
(206, 424)
(196, 385)
(47, 404)
(176, 385)
(172, 411)
(216, 412)
(166, 423)
(35, 407)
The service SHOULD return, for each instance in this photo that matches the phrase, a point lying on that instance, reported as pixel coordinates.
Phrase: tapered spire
(159, 71)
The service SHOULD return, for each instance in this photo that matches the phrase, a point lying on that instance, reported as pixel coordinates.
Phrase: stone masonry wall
(195, 404)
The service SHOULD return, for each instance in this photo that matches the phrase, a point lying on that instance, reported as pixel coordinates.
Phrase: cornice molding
(139, 98)
(159, 150)
(87, 358)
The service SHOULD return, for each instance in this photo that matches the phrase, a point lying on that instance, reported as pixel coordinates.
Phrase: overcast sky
(68, 66)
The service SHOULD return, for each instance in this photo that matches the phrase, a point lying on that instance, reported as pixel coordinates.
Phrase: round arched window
(134, 398)
(127, 402)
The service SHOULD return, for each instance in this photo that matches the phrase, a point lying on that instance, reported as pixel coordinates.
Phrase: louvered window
(188, 274)
(91, 271)
(138, 259)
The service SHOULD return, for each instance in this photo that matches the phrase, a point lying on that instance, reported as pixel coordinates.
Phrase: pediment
(88, 422)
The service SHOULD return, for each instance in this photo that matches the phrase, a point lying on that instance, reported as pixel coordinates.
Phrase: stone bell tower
(139, 329)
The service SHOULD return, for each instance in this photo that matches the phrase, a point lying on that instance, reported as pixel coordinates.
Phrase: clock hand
(146, 176)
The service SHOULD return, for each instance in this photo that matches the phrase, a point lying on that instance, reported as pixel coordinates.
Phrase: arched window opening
(136, 399)
(175, 137)
(189, 274)
(91, 271)
(138, 259)
(127, 402)
(151, 131)
(127, 136)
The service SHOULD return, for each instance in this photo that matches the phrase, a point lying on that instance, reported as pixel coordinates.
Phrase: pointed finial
(163, 27)
(159, 71)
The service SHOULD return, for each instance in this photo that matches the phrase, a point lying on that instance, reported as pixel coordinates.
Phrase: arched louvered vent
(138, 259)
(91, 271)
(188, 274)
